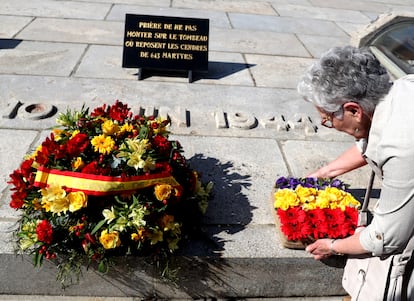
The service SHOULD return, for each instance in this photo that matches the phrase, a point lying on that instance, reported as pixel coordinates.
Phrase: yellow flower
(34, 154)
(57, 134)
(156, 236)
(138, 236)
(134, 149)
(159, 129)
(103, 144)
(54, 199)
(285, 198)
(78, 163)
(306, 194)
(109, 127)
(127, 127)
(77, 200)
(173, 244)
(348, 201)
(163, 191)
(74, 133)
(147, 164)
(324, 200)
(135, 160)
(109, 240)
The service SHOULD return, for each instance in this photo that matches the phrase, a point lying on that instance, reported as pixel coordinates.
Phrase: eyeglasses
(327, 121)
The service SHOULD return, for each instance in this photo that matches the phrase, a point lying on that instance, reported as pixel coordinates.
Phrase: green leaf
(103, 267)
(38, 259)
(98, 226)
(143, 133)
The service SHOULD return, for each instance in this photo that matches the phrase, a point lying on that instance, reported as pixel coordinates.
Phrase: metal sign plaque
(168, 43)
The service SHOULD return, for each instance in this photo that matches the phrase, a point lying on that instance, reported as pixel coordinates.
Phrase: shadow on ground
(216, 71)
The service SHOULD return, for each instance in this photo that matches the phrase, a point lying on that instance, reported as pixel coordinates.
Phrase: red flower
(163, 167)
(94, 169)
(16, 203)
(44, 232)
(351, 214)
(294, 224)
(77, 144)
(306, 230)
(26, 168)
(292, 215)
(16, 178)
(91, 168)
(162, 144)
(100, 111)
(119, 111)
(50, 147)
(316, 216)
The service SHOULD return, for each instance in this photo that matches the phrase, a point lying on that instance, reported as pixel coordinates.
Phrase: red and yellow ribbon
(97, 184)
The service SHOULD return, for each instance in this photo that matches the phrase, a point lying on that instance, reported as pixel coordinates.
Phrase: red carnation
(44, 232)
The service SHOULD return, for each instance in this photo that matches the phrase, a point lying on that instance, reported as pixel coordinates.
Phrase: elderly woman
(352, 93)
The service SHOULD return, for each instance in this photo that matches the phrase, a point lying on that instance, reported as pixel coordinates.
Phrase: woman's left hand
(320, 249)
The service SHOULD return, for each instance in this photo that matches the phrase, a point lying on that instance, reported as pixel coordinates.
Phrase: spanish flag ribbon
(97, 184)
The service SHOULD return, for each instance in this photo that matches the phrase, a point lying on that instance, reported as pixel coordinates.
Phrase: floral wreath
(103, 184)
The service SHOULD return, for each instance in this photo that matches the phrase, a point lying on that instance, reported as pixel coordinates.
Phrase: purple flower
(292, 183)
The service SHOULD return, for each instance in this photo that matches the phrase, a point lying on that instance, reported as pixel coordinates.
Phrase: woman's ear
(353, 109)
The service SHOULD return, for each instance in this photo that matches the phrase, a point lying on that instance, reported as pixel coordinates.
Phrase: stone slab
(354, 5)
(74, 31)
(55, 9)
(40, 58)
(82, 298)
(158, 3)
(224, 68)
(232, 111)
(321, 13)
(256, 41)
(277, 71)
(243, 179)
(317, 45)
(251, 7)
(298, 154)
(285, 24)
(15, 144)
(350, 28)
(198, 277)
(245, 103)
(10, 25)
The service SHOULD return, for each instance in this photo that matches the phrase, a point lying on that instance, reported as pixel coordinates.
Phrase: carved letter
(37, 111)
(242, 120)
(221, 120)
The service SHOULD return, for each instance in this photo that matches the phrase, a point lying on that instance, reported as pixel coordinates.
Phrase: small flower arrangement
(310, 208)
(103, 184)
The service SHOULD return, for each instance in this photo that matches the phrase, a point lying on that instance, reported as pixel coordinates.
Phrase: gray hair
(345, 74)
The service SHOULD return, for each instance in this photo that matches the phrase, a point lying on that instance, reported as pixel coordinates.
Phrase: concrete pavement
(242, 124)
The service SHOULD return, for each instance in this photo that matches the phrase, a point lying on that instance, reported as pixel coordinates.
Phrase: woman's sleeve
(393, 222)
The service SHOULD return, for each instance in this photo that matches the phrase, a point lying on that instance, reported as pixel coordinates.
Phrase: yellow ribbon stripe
(97, 184)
